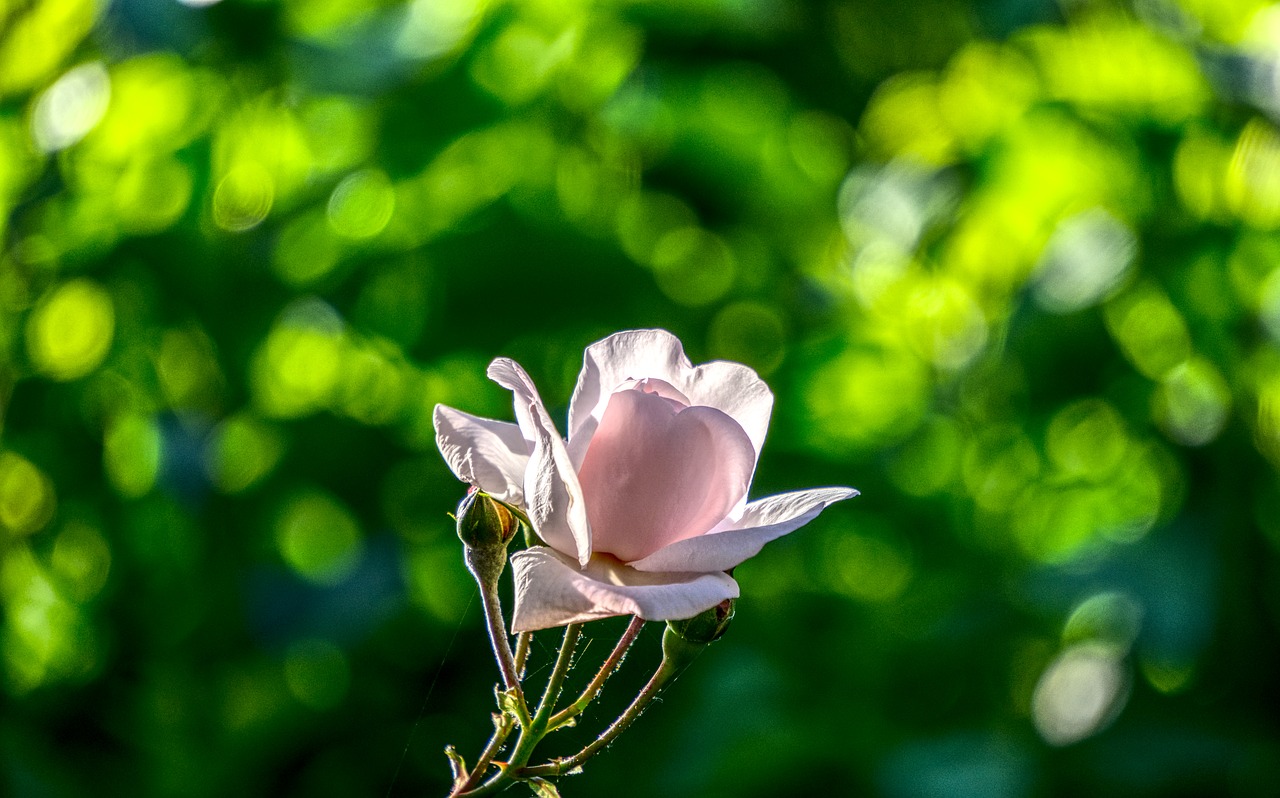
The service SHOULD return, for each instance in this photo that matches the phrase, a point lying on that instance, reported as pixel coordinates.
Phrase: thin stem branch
(490, 751)
(606, 670)
(486, 564)
(498, 638)
(522, 652)
(558, 767)
(544, 721)
(555, 682)
(532, 733)
(502, 730)
(499, 781)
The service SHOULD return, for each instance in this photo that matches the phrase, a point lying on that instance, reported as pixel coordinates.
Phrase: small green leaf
(543, 788)
(508, 702)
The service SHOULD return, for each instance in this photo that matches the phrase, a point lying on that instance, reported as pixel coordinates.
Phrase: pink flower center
(657, 471)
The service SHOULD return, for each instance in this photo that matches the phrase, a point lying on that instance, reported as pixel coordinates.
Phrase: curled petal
(656, 473)
(551, 591)
(490, 454)
(553, 497)
(764, 520)
(732, 388)
(512, 376)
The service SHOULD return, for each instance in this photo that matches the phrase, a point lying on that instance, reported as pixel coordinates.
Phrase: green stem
(606, 670)
(532, 733)
(498, 635)
(522, 652)
(498, 782)
(558, 767)
(503, 727)
(555, 682)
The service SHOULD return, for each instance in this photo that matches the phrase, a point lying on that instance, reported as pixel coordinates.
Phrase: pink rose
(644, 507)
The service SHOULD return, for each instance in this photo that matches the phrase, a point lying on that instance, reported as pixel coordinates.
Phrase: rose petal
(764, 520)
(737, 391)
(551, 591)
(656, 473)
(491, 455)
(731, 388)
(553, 497)
(656, 386)
(788, 507)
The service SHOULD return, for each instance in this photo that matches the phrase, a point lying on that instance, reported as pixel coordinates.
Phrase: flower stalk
(555, 683)
(532, 733)
(611, 665)
(523, 640)
(559, 767)
(498, 634)
(534, 727)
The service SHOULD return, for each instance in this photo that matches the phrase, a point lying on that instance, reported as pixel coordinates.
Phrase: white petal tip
(438, 413)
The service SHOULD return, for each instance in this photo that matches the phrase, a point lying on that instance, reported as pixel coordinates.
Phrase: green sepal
(457, 765)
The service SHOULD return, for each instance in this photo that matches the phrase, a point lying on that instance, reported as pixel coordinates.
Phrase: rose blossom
(644, 507)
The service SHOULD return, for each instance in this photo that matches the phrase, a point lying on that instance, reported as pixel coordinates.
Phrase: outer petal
(764, 520)
(638, 354)
(553, 497)
(738, 391)
(490, 454)
(551, 591)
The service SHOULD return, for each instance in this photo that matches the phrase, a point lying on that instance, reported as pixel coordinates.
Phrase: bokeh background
(1009, 265)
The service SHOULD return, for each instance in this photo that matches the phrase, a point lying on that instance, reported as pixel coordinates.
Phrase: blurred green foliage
(1010, 267)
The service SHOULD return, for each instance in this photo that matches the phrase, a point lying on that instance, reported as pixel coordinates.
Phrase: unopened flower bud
(707, 626)
(483, 521)
(683, 640)
(485, 526)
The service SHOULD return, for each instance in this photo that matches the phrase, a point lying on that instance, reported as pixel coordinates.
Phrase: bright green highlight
(70, 332)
